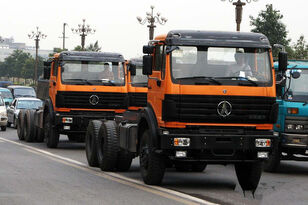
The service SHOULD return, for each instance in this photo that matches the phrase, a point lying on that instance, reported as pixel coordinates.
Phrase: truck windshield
(221, 66)
(298, 90)
(139, 80)
(92, 73)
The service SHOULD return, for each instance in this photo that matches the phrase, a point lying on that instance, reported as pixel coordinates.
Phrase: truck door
(53, 81)
(156, 83)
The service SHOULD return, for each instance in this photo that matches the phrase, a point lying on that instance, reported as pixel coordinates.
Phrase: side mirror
(295, 74)
(132, 69)
(147, 65)
(46, 73)
(148, 49)
(282, 61)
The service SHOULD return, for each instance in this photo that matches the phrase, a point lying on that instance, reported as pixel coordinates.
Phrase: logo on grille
(224, 108)
(94, 99)
(224, 91)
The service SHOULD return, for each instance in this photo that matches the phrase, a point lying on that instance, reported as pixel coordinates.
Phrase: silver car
(18, 104)
(3, 115)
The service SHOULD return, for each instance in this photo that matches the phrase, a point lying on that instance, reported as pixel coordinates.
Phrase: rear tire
(107, 146)
(51, 135)
(29, 128)
(20, 125)
(248, 175)
(124, 160)
(91, 141)
(152, 165)
(3, 128)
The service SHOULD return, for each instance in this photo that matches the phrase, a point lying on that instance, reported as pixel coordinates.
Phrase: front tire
(248, 175)
(51, 135)
(107, 146)
(20, 125)
(3, 128)
(152, 165)
(91, 141)
(273, 162)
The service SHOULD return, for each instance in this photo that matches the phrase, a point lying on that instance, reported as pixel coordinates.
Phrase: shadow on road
(291, 168)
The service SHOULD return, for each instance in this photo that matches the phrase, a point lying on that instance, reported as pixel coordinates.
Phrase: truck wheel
(51, 135)
(107, 146)
(248, 175)
(124, 160)
(152, 165)
(272, 163)
(20, 125)
(39, 135)
(29, 128)
(3, 128)
(91, 136)
(198, 166)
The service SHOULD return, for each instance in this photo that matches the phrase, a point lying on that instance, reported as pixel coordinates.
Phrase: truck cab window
(55, 68)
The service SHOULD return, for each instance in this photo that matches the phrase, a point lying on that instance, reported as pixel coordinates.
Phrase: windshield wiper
(79, 79)
(211, 79)
(240, 78)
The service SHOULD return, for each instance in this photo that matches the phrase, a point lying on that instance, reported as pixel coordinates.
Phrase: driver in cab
(241, 68)
(107, 74)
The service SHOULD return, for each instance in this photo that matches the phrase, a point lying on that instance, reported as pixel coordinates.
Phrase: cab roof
(90, 56)
(216, 38)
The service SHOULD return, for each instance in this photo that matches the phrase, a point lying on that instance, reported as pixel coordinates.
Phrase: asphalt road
(31, 173)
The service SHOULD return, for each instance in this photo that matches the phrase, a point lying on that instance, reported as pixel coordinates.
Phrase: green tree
(92, 47)
(301, 49)
(56, 50)
(269, 23)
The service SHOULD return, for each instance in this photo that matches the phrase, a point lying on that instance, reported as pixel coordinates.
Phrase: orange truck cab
(211, 100)
(137, 84)
(79, 87)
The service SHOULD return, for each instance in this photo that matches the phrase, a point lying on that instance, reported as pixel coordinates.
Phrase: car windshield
(29, 104)
(6, 94)
(92, 73)
(299, 88)
(221, 66)
(139, 80)
(24, 92)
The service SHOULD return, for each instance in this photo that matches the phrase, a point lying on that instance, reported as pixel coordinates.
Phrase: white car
(3, 115)
(21, 103)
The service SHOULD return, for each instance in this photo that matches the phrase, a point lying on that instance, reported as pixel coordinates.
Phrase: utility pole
(63, 35)
(83, 30)
(152, 19)
(36, 36)
(239, 11)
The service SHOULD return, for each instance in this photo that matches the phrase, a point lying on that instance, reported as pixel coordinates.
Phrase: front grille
(203, 108)
(296, 120)
(138, 99)
(82, 100)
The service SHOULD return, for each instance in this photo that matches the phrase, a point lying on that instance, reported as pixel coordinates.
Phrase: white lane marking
(117, 177)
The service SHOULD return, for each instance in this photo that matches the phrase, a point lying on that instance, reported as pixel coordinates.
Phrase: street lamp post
(83, 30)
(36, 35)
(63, 35)
(152, 19)
(239, 11)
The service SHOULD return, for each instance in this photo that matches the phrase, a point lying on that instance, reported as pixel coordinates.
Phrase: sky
(117, 29)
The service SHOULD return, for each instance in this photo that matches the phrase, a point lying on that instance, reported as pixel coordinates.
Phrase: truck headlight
(263, 143)
(290, 127)
(299, 127)
(181, 142)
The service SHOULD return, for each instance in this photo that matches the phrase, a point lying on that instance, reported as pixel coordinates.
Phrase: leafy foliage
(269, 23)
(300, 49)
(20, 65)
(92, 47)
